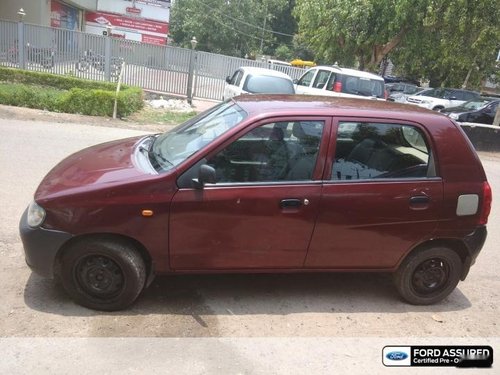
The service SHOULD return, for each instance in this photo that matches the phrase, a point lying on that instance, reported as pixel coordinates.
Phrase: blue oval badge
(396, 356)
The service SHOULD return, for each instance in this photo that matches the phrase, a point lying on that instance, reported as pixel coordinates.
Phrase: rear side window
(362, 86)
(367, 151)
(469, 95)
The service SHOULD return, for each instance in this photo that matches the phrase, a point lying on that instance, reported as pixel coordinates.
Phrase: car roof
(351, 72)
(312, 105)
(264, 72)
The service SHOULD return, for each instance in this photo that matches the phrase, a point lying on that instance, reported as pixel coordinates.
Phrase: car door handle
(419, 199)
(290, 203)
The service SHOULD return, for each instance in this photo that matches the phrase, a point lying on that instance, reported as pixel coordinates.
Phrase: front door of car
(261, 210)
(381, 196)
(233, 86)
(303, 85)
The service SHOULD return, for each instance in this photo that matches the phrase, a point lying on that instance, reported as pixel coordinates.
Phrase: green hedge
(66, 94)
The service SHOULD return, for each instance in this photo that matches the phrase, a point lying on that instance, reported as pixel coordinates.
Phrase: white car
(336, 81)
(251, 80)
(440, 98)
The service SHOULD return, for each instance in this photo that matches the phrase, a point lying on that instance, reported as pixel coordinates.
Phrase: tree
(457, 45)
(449, 42)
(357, 32)
(232, 27)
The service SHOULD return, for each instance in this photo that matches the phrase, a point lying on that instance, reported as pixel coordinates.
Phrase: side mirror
(206, 175)
(228, 79)
(295, 81)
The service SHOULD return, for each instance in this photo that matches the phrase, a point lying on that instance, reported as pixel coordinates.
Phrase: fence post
(21, 45)
(190, 77)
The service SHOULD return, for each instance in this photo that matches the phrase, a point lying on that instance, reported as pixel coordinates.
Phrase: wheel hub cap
(99, 276)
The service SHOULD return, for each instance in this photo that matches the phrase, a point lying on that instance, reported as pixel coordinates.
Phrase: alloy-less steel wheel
(103, 274)
(429, 275)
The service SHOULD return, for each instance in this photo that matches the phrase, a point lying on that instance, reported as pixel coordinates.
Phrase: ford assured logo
(396, 356)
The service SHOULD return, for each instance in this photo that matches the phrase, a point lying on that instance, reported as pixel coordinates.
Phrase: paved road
(252, 323)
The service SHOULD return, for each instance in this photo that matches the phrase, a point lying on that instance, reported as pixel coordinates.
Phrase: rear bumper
(41, 246)
(474, 243)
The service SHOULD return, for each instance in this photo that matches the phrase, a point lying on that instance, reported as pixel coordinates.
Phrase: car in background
(252, 80)
(341, 82)
(402, 99)
(398, 92)
(481, 110)
(440, 98)
(266, 183)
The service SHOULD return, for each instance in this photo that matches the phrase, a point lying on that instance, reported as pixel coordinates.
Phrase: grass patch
(160, 116)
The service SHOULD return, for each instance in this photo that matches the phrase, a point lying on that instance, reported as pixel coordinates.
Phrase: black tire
(103, 274)
(437, 108)
(428, 275)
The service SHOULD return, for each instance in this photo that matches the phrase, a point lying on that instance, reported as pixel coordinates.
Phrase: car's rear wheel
(428, 275)
(103, 274)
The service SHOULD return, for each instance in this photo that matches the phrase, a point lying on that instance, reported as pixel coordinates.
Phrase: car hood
(98, 166)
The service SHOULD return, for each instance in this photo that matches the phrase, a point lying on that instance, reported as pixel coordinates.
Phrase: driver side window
(306, 78)
(278, 151)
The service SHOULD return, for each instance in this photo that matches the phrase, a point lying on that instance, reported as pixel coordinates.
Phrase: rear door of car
(381, 195)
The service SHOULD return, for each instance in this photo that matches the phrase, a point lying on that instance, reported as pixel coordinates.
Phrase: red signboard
(124, 22)
(134, 11)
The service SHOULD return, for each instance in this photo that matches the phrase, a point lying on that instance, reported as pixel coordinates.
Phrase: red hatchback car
(266, 184)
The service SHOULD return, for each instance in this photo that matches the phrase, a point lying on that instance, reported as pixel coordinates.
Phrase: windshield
(475, 104)
(268, 85)
(172, 148)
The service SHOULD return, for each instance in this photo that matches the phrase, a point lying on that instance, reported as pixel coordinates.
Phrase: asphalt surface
(227, 324)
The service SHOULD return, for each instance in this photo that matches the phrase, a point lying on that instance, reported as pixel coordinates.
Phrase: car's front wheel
(428, 275)
(103, 274)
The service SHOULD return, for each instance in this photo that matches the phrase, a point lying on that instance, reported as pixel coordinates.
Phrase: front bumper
(474, 243)
(41, 246)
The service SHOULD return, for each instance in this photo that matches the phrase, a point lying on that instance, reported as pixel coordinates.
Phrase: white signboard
(157, 10)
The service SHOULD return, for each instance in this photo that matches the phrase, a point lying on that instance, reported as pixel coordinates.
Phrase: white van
(336, 81)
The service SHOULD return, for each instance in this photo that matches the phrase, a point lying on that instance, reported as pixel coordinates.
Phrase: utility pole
(263, 31)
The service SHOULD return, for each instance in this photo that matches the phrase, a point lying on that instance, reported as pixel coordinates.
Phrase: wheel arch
(143, 252)
(452, 243)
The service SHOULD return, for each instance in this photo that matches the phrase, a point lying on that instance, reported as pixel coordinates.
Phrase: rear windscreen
(268, 85)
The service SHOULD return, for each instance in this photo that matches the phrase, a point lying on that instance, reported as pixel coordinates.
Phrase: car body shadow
(249, 294)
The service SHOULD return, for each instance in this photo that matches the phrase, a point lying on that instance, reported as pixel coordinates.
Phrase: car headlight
(454, 116)
(36, 215)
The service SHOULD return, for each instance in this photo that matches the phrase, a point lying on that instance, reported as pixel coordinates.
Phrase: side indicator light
(147, 213)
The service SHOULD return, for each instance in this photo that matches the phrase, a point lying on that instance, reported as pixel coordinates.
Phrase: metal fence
(165, 69)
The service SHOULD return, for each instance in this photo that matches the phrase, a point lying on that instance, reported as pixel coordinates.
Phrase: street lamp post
(194, 42)
(107, 53)
(20, 38)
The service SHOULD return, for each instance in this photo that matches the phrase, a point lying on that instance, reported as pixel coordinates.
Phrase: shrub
(66, 94)
(29, 96)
